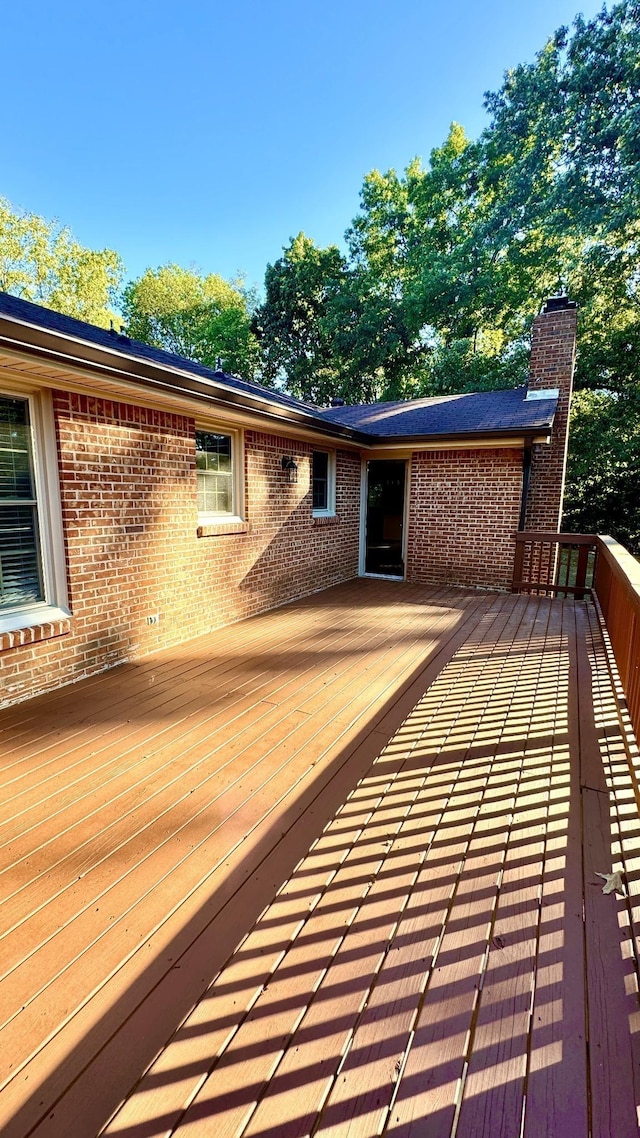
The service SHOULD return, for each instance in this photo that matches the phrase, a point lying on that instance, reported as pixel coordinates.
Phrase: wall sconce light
(290, 468)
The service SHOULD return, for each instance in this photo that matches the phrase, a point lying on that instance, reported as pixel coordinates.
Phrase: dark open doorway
(385, 518)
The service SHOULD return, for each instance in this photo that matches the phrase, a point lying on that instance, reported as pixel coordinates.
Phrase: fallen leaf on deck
(612, 882)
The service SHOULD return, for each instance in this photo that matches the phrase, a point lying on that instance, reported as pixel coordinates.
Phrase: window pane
(214, 493)
(20, 580)
(213, 452)
(15, 460)
(320, 480)
(20, 576)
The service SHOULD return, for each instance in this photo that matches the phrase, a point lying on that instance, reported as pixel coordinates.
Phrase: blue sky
(208, 134)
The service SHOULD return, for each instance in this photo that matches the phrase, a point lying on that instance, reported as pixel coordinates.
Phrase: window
(32, 573)
(20, 568)
(323, 483)
(218, 475)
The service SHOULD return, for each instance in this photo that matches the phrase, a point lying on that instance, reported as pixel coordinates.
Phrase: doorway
(384, 518)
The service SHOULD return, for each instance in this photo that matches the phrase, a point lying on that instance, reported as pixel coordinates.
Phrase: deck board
(609, 919)
(324, 872)
(69, 1004)
(492, 1097)
(431, 1084)
(556, 1087)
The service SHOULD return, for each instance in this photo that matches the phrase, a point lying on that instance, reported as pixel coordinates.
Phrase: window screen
(20, 571)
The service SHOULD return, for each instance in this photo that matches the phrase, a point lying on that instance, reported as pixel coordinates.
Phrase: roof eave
(70, 351)
(527, 433)
(56, 347)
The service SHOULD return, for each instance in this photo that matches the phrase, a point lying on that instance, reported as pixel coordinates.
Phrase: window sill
(217, 528)
(33, 625)
(326, 520)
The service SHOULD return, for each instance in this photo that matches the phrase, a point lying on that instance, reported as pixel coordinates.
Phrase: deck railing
(555, 564)
(617, 587)
(583, 565)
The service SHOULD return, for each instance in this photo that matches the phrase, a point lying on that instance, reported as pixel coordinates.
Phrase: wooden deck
(329, 871)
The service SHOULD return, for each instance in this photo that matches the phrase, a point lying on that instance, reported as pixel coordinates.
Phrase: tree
(563, 149)
(293, 323)
(376, 328)
(432, 254)
(41, 261)
(603, 471)
(328, 328)
(199, 317)
(449, 263)
(601, 86)
(563, 154)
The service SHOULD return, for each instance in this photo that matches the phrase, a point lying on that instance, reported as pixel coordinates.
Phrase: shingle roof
(115, 341)
(484, 413)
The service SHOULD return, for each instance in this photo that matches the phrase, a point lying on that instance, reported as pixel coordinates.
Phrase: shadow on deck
(333, 870)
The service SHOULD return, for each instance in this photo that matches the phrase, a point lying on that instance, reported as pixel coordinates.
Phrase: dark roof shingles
(112, 340)
(484, 411)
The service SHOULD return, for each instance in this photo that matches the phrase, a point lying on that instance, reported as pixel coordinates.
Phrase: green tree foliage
(604, 466)
(40, 261)
(575, 177)
(292, 324)
(199, 317)
(563, 152)
(448, 263)
(327, 329)
(432, 239)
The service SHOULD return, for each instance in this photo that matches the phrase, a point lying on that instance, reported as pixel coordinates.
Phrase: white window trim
(50, 532)
(330, 511)
(237, 473)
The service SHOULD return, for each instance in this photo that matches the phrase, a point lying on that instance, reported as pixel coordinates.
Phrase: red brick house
(145, 499)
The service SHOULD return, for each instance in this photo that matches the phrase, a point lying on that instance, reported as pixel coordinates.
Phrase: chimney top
(557, 303)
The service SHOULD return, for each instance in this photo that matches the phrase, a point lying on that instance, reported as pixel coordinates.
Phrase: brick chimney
(553, 353)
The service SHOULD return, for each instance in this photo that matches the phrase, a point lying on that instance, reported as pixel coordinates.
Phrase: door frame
(364, 494)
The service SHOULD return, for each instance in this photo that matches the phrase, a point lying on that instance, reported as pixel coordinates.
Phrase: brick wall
(128, 491)
(553, 348)
(463, 514)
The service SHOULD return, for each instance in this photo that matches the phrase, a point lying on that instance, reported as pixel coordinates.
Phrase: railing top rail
(559, 538)
(621, 561)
